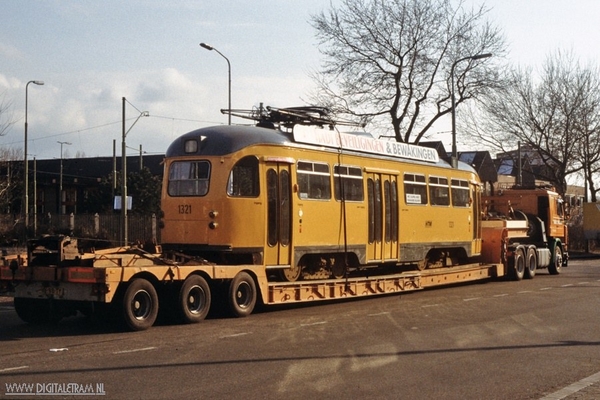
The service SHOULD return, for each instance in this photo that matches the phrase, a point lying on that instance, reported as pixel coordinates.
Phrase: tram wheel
(291, 274)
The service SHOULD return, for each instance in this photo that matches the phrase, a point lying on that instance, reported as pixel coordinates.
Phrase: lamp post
(454, 150)
(60, 180)
(124, 171)
(25, 156)
(209, 47)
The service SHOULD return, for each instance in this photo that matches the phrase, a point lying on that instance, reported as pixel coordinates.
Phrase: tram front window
(189, 178)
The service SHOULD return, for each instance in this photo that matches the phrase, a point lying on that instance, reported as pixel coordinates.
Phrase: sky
(91, 54)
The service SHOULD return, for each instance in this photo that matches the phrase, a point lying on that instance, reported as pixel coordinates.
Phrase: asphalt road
(492, 340)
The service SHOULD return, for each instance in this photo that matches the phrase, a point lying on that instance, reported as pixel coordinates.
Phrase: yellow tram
(313, 203)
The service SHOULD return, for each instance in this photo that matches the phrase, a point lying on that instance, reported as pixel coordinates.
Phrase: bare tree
(553, 116)
(6, 117)
(10, 178)
(587, 124)
(390, 61)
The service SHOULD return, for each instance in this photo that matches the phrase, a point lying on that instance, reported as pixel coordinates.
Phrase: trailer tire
(242, 295)
(518, 270)
(36, 311)
(140, 305)
(530, 263)
(194, 299)
(555, 266)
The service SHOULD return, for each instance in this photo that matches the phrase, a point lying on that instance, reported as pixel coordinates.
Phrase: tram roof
(226, 139)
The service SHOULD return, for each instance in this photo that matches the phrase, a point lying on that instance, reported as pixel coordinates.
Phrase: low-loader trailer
(59, 276)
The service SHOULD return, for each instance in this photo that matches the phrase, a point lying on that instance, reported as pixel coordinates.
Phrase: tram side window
(460, 193)
(313, 180)
(243, 178)
(350, 179)
(415, 189)
(189, 178)
(439, 192)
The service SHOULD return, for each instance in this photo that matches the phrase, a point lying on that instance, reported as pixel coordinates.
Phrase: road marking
(314, 323)
(583, 283)
(134, 350)
(472, 298)
(501, 295)
(430, 305)
(524, 291)
(378, 314)
(545, 288)
(567, 285)
(235, 335)
(574, 388)
(14, 368)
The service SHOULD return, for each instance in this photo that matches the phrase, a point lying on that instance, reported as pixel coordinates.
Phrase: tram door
(279, 213)
(382, 199)
(476, 204)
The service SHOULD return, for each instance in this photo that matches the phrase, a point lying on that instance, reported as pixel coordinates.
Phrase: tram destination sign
(367, 144)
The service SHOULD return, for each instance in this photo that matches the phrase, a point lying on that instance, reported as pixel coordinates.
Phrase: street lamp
(454, 150)
(60, 185)
(25, 156)
(124, 171)
(209, 47)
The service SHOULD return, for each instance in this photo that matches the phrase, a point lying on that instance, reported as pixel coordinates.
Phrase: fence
(108, 227)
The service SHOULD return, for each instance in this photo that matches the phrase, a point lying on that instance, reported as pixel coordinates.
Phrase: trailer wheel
(194, 299)
(242, 295)
(530, 263)
(555, 266)
(140, 305)
(36, 311)
(518, 270)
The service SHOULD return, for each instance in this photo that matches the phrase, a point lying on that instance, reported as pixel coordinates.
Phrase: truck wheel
(555, 266)
(140, 305)
(194, 299)
(35, 311)
(242, 295)
(518, 270)
(530, 263)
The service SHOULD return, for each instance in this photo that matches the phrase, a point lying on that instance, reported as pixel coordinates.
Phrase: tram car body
(313, 203)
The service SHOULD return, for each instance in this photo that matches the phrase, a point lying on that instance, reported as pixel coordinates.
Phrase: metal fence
(108, 227)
